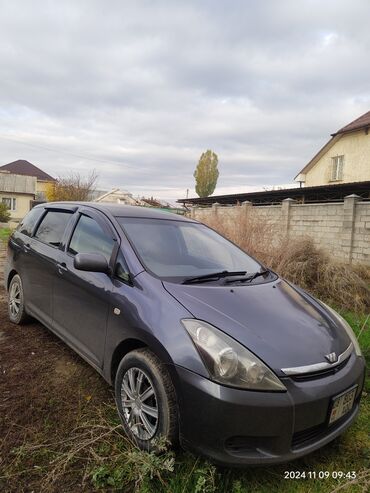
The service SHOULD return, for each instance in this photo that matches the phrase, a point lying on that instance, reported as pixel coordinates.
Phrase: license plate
(342, 404)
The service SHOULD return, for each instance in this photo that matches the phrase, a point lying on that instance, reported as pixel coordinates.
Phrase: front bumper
(237, 427)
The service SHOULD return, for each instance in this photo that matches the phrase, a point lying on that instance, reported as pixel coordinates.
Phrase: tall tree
(72, 187)
(206, 174)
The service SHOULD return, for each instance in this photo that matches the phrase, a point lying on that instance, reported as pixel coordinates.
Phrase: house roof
(363, 122)
(23, 167)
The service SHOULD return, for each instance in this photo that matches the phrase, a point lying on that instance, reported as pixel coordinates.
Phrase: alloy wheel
(139, 403)
(15, 299)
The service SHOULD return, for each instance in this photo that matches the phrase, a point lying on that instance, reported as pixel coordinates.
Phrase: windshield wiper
(249, 278)
(213, 276)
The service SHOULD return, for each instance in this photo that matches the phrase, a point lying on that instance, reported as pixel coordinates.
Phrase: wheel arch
(123, 348)
(11, 274)
(130, 344)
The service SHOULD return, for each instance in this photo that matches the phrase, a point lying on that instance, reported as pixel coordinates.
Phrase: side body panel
(150, 314)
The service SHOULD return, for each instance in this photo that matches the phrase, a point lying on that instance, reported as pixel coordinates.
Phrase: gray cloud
(138, 90)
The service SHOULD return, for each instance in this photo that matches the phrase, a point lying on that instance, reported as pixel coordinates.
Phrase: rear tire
(16, 308)
(146, 400)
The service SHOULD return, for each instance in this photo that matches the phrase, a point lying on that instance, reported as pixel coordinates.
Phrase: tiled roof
(361, 122)
(22, 167)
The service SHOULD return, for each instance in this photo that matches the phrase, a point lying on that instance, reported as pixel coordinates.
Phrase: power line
(67, 153)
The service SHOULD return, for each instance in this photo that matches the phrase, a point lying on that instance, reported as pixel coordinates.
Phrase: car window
(195, 246)
(183, 249)
(52, 227)
(89, 237)
(29, 221)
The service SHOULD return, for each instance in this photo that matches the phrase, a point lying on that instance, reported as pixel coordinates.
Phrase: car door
(19, 243)
(40, 255)
(81, 299)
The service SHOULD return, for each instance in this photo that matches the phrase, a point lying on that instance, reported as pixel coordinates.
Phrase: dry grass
(300, 261)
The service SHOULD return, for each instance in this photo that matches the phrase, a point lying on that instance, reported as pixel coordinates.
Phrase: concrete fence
(342, 228)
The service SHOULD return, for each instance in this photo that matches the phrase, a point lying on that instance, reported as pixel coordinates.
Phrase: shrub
(4, 213)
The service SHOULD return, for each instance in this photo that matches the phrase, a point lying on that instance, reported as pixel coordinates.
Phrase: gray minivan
(203, 344)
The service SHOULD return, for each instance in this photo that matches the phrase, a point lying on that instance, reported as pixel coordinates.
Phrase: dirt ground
(39, 375)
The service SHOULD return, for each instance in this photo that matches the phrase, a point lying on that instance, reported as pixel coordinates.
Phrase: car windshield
(181, 249)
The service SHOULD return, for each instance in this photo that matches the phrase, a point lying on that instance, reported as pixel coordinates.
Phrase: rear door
(81, 299)
(41, 253)
(19, 244)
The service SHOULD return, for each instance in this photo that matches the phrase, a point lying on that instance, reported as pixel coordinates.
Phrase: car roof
(120, 210)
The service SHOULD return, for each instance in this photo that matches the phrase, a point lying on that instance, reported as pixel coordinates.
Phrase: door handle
(62, 268)
(26, 247)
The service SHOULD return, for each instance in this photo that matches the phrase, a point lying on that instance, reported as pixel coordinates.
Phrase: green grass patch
(4, 234)
(361, 327)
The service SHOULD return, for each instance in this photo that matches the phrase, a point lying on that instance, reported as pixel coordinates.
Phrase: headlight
(227, 361)
(343, 323)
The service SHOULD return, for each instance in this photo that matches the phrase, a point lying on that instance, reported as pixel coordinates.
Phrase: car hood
(282, 325)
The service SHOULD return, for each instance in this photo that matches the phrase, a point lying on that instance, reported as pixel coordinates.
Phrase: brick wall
(342, 228)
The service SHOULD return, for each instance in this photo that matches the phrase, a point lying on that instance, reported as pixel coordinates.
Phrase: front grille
(320, 374)
(301, 438)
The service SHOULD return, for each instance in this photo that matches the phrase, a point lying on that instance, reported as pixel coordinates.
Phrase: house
(345, 158)
(17, 192)
(22, 167)
(118, 196)
(152, 202)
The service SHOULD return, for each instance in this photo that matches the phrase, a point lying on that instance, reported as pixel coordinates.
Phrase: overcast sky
(138, 90)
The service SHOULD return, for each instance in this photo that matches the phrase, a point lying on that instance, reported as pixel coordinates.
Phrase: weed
(237, 486)
(206, 477)
(105, 476)
(144, 466)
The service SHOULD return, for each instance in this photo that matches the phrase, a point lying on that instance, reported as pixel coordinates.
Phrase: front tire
(16, 307)
(145, 399)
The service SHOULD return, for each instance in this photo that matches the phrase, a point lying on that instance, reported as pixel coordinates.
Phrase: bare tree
(72, 187)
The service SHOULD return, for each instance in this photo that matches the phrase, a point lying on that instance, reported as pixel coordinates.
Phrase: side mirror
(91, 262)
